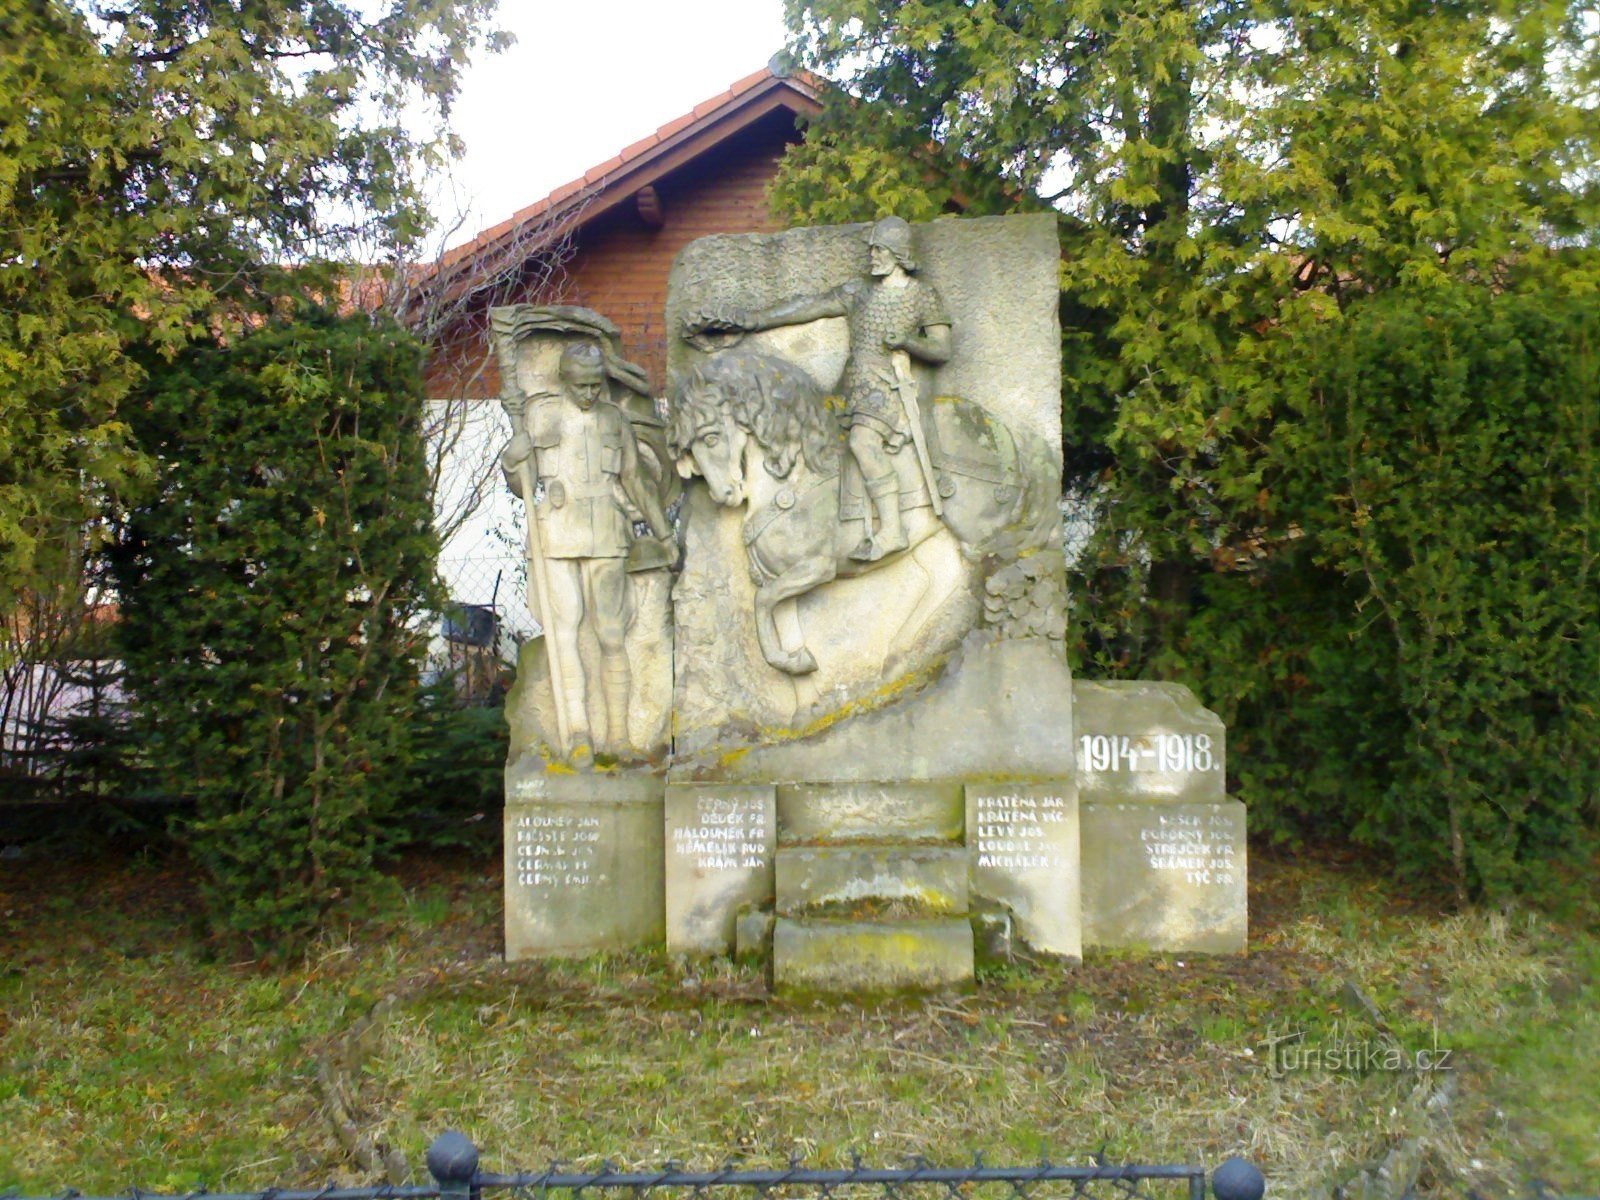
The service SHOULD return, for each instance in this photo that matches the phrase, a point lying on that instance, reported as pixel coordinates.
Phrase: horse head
(740, 396)
(705, 438)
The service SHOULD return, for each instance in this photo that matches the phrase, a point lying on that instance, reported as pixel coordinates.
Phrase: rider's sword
(906, 385)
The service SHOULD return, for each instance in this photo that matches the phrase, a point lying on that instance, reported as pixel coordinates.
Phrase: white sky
(585, 79)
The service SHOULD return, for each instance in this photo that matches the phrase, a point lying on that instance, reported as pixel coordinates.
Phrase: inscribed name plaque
(1165, 875)
(1023, 843)
(720, 841)
(584, 874)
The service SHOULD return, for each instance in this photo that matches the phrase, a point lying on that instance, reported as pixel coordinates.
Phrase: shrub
(270, 590)
(1419, 669)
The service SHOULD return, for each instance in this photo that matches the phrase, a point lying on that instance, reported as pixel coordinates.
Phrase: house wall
(619, 267)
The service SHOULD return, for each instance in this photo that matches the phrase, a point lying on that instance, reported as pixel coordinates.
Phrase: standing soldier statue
(893, 317)
(575, 463)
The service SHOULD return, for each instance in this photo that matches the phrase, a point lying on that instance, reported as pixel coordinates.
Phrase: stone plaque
(583, 866)
(1023, 843)
(1146, 740)
(719, 847)
(1163, 875)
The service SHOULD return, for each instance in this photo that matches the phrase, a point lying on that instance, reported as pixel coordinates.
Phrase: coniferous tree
(1239, 183)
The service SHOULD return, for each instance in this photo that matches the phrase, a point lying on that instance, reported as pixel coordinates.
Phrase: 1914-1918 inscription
(1153, 752)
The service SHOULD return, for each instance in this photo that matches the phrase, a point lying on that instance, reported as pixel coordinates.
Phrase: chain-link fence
(453, 1165)
(65, 735)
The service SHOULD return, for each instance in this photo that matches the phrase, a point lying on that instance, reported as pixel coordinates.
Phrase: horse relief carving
(755, 427)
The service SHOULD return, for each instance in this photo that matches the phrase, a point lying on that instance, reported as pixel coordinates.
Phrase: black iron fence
(453, 1164)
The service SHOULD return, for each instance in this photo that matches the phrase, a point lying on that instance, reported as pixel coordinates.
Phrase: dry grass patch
(129, 1055)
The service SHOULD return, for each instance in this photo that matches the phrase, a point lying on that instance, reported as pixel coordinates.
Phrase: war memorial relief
(829, 722)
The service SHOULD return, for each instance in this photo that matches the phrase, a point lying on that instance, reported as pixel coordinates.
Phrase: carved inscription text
(557, 851)
(1202, 846)
(1014, 831)
(728, 833)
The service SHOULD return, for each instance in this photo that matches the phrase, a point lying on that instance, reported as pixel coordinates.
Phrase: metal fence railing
(453, 1164)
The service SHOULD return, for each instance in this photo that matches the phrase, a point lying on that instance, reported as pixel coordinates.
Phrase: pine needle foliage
(1258, 201)
(169, 168)
(272, 589)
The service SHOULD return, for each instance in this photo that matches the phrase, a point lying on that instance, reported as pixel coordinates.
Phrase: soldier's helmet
(582, 361)
(894, 235)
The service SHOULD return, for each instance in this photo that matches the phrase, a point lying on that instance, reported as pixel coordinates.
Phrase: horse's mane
(771, 398)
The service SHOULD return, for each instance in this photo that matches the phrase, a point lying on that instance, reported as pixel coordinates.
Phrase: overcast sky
(585, 79)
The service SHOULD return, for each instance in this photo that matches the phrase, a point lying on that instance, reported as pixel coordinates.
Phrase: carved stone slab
(1144, 740)
(1165, 875)
(583, 865)
(819, 955)
(528, 341)
(878, 632)
(1022, 843)
(720, 840)
(1001, 708)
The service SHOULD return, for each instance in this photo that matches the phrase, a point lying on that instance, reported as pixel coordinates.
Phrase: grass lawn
(131, 1055)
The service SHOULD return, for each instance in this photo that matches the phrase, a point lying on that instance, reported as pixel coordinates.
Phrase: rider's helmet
(894, 235)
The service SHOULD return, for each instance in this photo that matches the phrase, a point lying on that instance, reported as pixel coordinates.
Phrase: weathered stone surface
(1146, 740)
(842, 812)
(719, 845)
(931, 878)
(856, 957)
(1164, 875)
(1001, 708)
(588, 455)
(1022, 840)
(757, 663)
(583, 865)
(993, 935)
(752, 933)
(998, 277)
(648, 644)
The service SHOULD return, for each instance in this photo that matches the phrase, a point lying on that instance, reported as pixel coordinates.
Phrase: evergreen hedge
(1413, 659)
(271, 590)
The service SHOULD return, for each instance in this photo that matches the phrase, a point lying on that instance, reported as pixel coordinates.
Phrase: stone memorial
(1164, 856)
(720, 841)
(836, 729)
(590, 711)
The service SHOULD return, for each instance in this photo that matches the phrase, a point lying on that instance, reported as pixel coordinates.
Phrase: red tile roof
(637, 165)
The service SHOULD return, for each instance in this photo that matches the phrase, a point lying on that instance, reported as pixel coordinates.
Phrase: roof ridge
(803, 81)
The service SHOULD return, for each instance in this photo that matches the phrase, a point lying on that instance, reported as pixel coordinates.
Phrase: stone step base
(844, 957)
(932, 878)
(845, 812)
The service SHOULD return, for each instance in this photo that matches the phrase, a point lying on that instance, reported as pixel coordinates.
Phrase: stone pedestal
(926, 879)
(1165, 875)
(853, 957)
(845, 812)
(583, 865)
(1022, 843)
(871, 889)
(1164, 854)
(719, 843)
